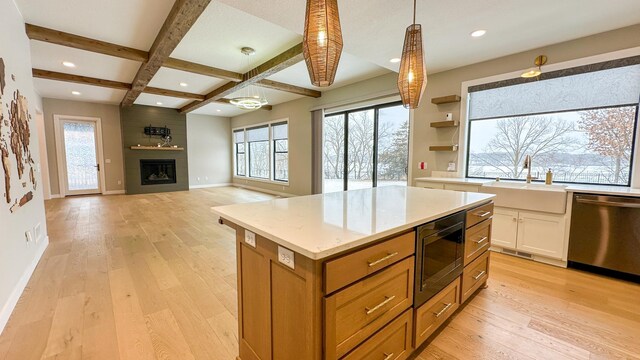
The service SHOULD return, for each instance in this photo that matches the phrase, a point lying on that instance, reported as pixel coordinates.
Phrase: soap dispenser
(549, 178)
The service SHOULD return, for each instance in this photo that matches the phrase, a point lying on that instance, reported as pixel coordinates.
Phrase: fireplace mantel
(156, 148)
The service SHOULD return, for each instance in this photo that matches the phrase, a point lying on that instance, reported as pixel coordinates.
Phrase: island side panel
(279, 308)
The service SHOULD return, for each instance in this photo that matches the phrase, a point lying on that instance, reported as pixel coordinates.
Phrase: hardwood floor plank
(67, 326)
(134, 341)
(166, 336)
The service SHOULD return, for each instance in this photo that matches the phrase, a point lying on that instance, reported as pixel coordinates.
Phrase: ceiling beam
(270, 84)
(85, 80)
(79, 42)
(39, 33)
(191, 67)
(180, 19)
(262, 71)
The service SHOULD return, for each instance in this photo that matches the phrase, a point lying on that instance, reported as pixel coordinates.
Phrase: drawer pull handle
(479, 275)
(376, 262)
(385, 302)
(482, 214)
(481, 240)
(444, 310)
(387, 356)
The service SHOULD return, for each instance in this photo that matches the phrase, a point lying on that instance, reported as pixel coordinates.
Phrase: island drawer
(350, 268)
(357, 312)
(478, 214)
(477, 240)
(474, 275)
(435, 312)
(391, 343)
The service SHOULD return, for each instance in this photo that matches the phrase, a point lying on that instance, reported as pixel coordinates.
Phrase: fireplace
(154, 172)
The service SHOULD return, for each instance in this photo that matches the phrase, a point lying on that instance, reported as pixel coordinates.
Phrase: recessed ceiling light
(478, 33)
(68, 64)
(218, 110)
(158, 103)
(395, 60)
(184, 84)
(76, 92)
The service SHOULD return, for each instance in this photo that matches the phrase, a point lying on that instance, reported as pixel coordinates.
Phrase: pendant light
(537, 70)
(412, 77)
(322, 42)
(252, 98)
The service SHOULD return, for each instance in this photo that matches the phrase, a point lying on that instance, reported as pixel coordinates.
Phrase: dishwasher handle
(609, 201)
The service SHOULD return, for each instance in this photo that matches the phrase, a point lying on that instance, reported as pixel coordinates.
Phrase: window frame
(237, 152)
(464, 133)
(345, 120)
(541, 180)
(275, 151)
(271, 148)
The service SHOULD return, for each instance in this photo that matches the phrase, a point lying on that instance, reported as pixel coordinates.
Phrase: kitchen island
(331, 276)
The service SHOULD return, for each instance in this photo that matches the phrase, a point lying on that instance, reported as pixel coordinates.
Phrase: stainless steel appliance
(605, 235)
(439, 255)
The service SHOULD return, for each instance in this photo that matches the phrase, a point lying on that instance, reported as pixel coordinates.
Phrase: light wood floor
(154, 277)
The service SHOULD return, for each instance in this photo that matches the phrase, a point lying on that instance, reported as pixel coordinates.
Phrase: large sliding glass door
(366, 148)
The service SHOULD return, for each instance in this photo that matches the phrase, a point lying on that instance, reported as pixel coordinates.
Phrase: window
(279, 134)
(241, 161)
(262, 152)
(578, 122)
(366, 148)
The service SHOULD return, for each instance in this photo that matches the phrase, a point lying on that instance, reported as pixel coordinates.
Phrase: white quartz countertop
(319, 226)
(574, 188)
(454, 180)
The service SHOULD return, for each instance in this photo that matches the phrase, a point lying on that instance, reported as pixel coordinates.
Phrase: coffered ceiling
(373, 31)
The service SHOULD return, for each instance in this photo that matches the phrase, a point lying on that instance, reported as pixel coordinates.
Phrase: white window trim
(270, 180)
(463, 139)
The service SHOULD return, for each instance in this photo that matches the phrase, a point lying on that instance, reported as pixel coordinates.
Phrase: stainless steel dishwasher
(605, 235)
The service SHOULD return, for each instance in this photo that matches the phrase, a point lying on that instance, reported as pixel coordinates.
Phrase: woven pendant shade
(412, 77)
(322, 43)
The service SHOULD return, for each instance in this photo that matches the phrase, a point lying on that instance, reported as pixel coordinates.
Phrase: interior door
(504, 228)
(80, 156)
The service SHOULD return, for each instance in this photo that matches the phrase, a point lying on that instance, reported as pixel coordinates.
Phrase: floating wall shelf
(444, 124)
(445, 99)
(156, 148)
(444, 148)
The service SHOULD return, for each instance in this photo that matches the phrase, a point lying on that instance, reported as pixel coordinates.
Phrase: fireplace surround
(157, 171)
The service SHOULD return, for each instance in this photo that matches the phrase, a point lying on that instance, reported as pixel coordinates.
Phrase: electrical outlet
(250, 238)
(286, 257)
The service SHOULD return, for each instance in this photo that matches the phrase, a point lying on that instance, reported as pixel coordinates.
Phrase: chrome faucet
(527, 165)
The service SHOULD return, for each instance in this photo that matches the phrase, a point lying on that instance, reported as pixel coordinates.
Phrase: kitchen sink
(535, 197)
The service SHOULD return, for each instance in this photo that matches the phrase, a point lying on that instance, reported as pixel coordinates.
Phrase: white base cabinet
(530, 232)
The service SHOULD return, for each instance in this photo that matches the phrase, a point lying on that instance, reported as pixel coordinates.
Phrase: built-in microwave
(439, 255)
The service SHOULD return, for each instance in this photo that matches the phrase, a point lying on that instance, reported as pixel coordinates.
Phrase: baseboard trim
(55, 196)
(113, 192)
(209, 185)
(266, 191)
(10, 305)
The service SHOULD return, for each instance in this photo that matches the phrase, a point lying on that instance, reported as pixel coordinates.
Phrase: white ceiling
(133, 23)
(62, 90)
(50, 57)
(373, 31)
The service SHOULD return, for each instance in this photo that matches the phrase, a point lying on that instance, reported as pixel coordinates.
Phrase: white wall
(209, 151)
(17, 258)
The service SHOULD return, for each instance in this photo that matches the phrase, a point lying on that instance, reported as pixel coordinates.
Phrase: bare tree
(517, 137)
(610, 134)
(333, 147)
(394, 157)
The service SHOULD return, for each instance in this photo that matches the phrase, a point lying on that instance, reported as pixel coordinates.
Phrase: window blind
(280, 131)
(586, 90)
(258, 134)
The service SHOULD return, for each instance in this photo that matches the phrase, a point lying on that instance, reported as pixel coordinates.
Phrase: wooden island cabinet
(356, 302)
